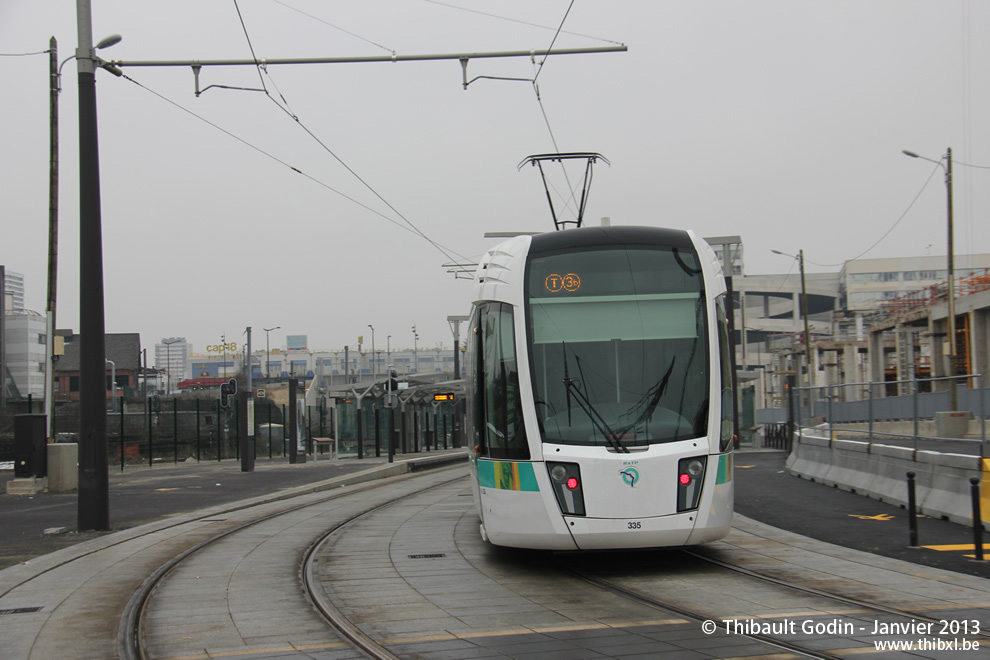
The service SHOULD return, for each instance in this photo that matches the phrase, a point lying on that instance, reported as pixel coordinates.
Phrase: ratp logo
(630, 475)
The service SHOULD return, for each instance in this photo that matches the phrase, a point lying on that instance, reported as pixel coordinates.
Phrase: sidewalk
(141, 494)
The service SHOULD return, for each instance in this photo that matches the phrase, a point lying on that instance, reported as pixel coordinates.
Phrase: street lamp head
(910, 153)
(108, 41)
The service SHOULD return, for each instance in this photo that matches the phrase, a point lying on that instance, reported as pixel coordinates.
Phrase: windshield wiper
(596, 418)
(650, 400)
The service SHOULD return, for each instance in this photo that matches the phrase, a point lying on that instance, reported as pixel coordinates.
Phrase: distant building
(25, 335)
(172, 356)
(866, 283)
(124, 349)
(735, 247)
(13, 288)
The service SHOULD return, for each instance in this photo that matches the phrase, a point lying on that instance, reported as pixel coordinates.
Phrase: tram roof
(622, 234)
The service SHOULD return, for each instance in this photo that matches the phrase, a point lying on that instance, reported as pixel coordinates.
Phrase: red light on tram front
(685, 479)
(572, 483)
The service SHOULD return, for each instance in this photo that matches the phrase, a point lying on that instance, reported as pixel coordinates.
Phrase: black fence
(150, 431)
(776, 436)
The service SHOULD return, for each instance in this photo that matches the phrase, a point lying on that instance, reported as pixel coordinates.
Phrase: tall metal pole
(804, 312)
(94, 489)
(415, 350)
(953, 403)
(249, 375)
(374, 366)
(268, 369)
(52, 232)
(456, 328)
(951, 274)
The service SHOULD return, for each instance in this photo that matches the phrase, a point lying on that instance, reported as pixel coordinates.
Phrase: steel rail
(129, 632)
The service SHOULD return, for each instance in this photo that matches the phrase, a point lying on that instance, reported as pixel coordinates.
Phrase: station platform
(842, 528)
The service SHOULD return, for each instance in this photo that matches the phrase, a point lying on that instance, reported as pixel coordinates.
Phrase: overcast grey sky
(782, 121)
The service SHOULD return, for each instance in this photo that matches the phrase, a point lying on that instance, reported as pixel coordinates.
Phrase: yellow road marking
(882, 516)
(745, 466)
(955, 548)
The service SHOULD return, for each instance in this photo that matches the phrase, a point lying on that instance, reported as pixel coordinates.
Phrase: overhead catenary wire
(449, 254)
(546, 119)
(555, 35)
(250, 46)
(267, 154)
(263, 64)
(336, 27)
(520, 22)
(892, 227)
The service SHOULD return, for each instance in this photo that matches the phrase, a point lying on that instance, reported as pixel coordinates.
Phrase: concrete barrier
(953, 424)
(63, 466)
(880, 472)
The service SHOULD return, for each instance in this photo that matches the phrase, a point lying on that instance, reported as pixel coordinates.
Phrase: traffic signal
(227, 390)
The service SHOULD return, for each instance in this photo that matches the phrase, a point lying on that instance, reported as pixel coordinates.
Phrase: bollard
(219, 433)
(150, 447)
(121, 434)
(912, 511)
(198, 447)
(175, 430)
(391, 434)
(378, 433)
(974, 489)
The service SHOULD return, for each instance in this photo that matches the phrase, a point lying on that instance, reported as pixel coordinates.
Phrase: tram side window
(728, 401)
(474, 378)
(501, 409)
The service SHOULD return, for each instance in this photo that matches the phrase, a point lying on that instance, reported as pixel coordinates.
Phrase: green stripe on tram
(724, 469)
(507, 475)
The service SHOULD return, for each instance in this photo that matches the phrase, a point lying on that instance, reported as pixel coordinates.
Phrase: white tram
(599, 387)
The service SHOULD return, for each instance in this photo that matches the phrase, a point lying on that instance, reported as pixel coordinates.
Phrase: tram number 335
(634, 525)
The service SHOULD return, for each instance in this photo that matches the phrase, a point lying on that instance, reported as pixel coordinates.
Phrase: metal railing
(858, 410)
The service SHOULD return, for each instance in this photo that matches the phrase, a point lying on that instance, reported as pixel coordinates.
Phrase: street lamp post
(93, 501)
(951, 330)
(374, 367)
(268, 367)
(168, 363)
(415, 350)
(804, 312)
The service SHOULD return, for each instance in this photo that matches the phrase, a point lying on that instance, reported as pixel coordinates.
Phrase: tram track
(861, 607)
(606, 576)
(375, 644)
(328, 559)
(131, 643)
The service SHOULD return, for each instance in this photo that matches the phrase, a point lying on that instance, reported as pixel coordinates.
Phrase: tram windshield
(618, 346)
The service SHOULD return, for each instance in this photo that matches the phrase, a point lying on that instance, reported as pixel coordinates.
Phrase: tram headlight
(565, 478)
(690, 478)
